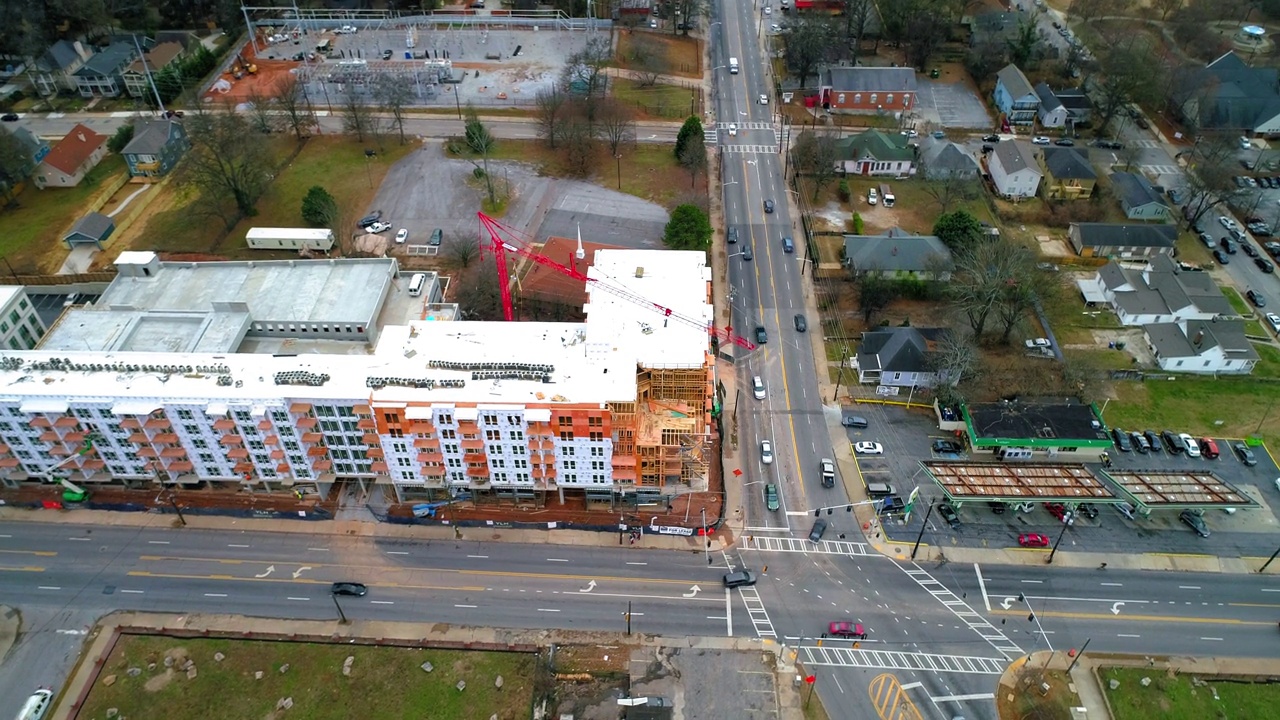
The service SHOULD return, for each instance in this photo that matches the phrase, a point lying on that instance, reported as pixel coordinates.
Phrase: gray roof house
(155, 149)
(943, 160)
(1015, 97)
(898, 253)
(1202, 346)
(1122, 240)
(898, 356)
(1228, 94)
(1052, 113)
(1077, 103)
(54, 71)
(1015, 169)
(92, 229)
(1159, 292)
(1138, 198)
(103, 73)
(1067, 173)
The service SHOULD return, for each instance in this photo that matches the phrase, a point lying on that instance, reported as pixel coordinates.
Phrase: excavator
(71, 493)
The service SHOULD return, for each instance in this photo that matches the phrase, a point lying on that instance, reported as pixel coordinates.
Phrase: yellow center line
(38, 553)
(1127, 617)
(291, 581)
(26, 568)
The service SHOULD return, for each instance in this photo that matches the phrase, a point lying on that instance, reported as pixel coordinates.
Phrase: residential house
(54, 71)
(34, 151)
(1122, 240)
(92, 229)
(152, 61)
(873, 152)
(1138, 198)
(1067, 173)
(994, 26)
(37, 148)
(156, 147)
(867, 89)
(1229, 95)
(1014, 96)
(1052, 113)
(899, 356)
(1202, 346)
(73, 157)
(943, 160)
(1015, 170)
(1077, 104)
(102, 74)
(898, 253)
(1158, 292)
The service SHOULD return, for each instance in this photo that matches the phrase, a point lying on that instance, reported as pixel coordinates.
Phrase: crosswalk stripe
(895, 660)
(751, 149)
(825, 547)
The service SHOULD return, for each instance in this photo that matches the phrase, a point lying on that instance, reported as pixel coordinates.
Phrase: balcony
(14, 462)
(478, 472)
(299, 408)
(66, 422)
(94, 464)
(165, 439)
(157, 424)
(312, 437)
(307, 423)
(147, 452)
(624, 474)
(130, 423)
(419, 427)
(541, 444)
(139, 438)
(322, 465)
(436, 471)
(50, 436)
(40, 421)
(426, 457)
(231, 440)
(543, 473)
(474, 458)
(378, 467)
(244, 468)
(375, 453)
(224, 424)
(367, 424)
(320, 451)
(236, 454)
(476, 444)
(181, 466)
(277, 454)
(265, 425)
(283, 468)
(370, 439)
(425, 444)
(362, 410)
(173, 452)
(271, 440)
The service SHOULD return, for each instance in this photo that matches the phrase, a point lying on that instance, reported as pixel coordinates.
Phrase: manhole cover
(109, 590)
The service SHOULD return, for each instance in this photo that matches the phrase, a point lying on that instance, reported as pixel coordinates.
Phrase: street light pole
(923, 525)
(619, 159)
(1065, 525)
(706, 547)
(341, 615)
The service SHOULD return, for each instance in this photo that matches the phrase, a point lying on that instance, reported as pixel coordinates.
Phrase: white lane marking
(49, 587)
(1113, 584)
(1212, 638)
(479, 557)
(215, 594)
(962, 698)
(1263, 589)
(75, 539)
(397, 552)
(1188, 587)
(982, 584)
(1127, 635)
(556, 560)
(157, 542)
(132, 592)
(464, 606)
(913, 686)
(319, 549)
(299, 599)
(236, 546)
(637, 563)
(838, 685)
(548, 610)
(1037, 582)
(381, 602)
(9, 536)
(728, 611)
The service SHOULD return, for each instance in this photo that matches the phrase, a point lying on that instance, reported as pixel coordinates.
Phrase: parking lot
(951, 105)
(906, 438)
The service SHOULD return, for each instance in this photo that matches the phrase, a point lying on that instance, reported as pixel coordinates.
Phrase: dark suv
(732, 236)
(947, 447)
(1173, 442)
(761, 336)
(1121, 440)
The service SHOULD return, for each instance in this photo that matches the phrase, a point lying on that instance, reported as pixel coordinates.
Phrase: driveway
(951, 105)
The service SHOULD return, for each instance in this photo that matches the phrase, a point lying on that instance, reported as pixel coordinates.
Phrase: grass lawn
(672, 54)
(1175, 698)
(1072, 321)
(384, 682)
(33, 229)
(1026, 701)
(1237, 302)
(1195, 405)
(914, 209)
(662, 102)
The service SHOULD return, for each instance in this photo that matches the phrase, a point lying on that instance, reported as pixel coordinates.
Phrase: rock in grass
(1114, 684)
(219, 657)
(284, 668)
(498, 682)
(109, 680)
(257, 675)
(462, 685)
(427, 667)
(133, 672)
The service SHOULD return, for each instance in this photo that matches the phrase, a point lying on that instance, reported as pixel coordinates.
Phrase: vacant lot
(383, 682)
(659, 53)
(656, 102)
(1178, 697)
(33, 228)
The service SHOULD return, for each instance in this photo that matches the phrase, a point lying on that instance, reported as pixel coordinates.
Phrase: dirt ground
(263, 82)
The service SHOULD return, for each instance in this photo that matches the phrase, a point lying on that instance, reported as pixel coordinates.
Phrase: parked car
(353, 589)
(9, 117)
(1088, 510)
(1038, 343)
(1221, 256)
(1064, 142)
(868, 448)
(1126, 510)
(1274, 321)
(1226, 244)
(1195, 522)
(1227, 222)
(846, 630)
(1188, 442)
(991, 138)
(1153, 439)
(1265, 266)
(740, 578)
(1141, 122)
(771, 497)
(1248, 249)
(1256, 298)
(1040, 140)
(948, 513)
(1059, 512)
(370, 219)
(1121, 439)
(1245, 454)
(1109, 145)
(1176, 196)
(378, 227)
(947, 447)
(1173, 442)
(853, 421)
(401, 235)
(1208, 448)
(1033, 540)
(437, 237)
(386, 54)
(1207, 239)
(766, 452)
(996, 507)
(1140, 443)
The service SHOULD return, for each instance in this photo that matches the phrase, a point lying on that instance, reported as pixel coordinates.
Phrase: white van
(733, 66)
(757, 387)
(37, 705)
(886, 196)
(416, 283)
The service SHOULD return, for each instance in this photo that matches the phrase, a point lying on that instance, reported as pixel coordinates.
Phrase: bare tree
(225, 163)
(357, 116)
(858, 15)
(1164, 7)
(983, 274)
(584, 71)
(261, 112)
(955, 359)
(616, 126)
(1212, 183)
(464, 252)
(950, 188)
(814, 154)
(646, 60)
(393, 94)
(295, 108)
(579, 146)
(551, 108)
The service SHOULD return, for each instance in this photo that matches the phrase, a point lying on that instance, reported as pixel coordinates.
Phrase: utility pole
(341, 615)
(1071, 518)
(1268, 562)
(923, 525)
(706, 540)
(174, 502)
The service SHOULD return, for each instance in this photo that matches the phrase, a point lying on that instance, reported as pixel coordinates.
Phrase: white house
(1052, 113)
(1202, 346)
(1014, 169)
(1159, 292)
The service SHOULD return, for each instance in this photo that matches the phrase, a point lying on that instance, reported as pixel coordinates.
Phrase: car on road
(733, 130)
(1227, 222)
(1153, 440)
(1221, 256)
(1040, 140)
(816, 532)
(948, 513)
(1226, 244)
(1207, 239)
(1256, 298)
(379, 227)
(401, 235)
(757, 387)
(9, 117)
(386, 54)
(354, 589)
(768, 10)
(764, 99)
(1245, 454)
(1141, 122)
(1064, 142)
(828, 469)
(847, 630)
(762, 337)
(775, 28)
(1108, 144)
(740, 578)
(1173, 442)
(731, 236)
(938, 134)
(747, 255)
(1209, 448)
(991, 138)
(947, 447)
(1274, 321)
(768, 206)
(1175, 195)
(857, 421)
(437, 236)
(1188, 442)
(1248, 249)
(766, 452)
(1121, 439)
(868, 448)
(801, 324)
(1033, 540)
(370, 219)
(771, 497)
(1265, 266)
(1195, 522)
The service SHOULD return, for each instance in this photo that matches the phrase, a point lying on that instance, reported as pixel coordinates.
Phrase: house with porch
(1014, 96)
(900, 357)
(1122, 240)
(1067, 173)
(1015, 169)
(152, 61)
(102, 74)
(54, 71)
(71, 159)
(1158, 292)
(1202, 346)
(1138, 198)
(873, 152)
(157, 146)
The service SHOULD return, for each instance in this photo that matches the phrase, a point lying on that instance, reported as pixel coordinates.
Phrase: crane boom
(500, 247)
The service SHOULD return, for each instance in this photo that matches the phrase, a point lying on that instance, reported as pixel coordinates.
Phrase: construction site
(485, 58)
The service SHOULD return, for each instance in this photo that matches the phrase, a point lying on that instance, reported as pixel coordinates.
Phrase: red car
(1059, 511)
(848, 630)
(1033, 540)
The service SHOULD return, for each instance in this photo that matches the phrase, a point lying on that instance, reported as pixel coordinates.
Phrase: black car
(1173, 442)
(1064, 142)
(1121, 439)
(1153, 439)
(991, 138)
(768, 206)
(9, 117)
(762, 337)
(746, 253)
(739, 579)
(1141, 122)
(1256, 298)
(1265, 266)
(1245, 454)
(996, 507)
(1195, 522)
(731, 237)
(948, 513)
(815, 533)
(1221, 257)
(1088, 510)
(353, 589)
(370, 219)
(854, 421)
(1227, 245)
(801, 323)
(1248, 249)
(1108, 144)
(947, 447)
(386, 54)
(1140, 443)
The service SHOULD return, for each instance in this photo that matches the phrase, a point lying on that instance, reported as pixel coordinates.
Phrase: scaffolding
(672, 427)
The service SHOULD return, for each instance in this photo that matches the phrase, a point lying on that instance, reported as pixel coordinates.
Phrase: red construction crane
(501, 247)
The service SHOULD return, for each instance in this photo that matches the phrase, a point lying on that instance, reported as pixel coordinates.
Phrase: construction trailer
(314, 239)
